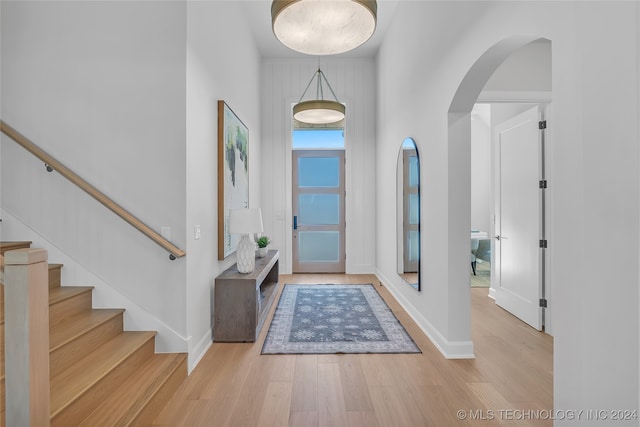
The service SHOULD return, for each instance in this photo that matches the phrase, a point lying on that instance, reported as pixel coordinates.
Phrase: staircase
(100, 374)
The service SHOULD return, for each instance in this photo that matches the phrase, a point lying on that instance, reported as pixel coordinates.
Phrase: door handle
(295, 222)
(497, 237)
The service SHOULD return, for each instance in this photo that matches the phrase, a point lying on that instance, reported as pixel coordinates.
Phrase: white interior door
(519, 217)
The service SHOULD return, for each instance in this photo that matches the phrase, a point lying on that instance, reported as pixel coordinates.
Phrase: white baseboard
(197, 353)
(360, 269)
(449, 349)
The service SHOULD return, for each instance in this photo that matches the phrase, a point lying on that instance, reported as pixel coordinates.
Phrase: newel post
(26, 329)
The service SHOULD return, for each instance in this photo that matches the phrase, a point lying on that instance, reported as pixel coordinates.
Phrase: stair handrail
(51, 162)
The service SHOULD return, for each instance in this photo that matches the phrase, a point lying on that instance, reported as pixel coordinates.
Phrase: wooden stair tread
(10, 243)
(75, 326)
(62, 293)
(131, 398)
(71, 383)
(10, 246)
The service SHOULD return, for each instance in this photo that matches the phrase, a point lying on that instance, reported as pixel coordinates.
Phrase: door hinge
(543, 302)
(543, 243)
(542, 183)
(542, 124)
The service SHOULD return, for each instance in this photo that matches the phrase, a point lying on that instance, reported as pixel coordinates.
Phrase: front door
(318, 211)
(519, 217)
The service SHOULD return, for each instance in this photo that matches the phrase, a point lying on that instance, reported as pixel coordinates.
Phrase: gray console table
(242, 301)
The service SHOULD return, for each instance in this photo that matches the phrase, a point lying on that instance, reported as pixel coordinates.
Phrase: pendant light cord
(327, 82)
(319, 92)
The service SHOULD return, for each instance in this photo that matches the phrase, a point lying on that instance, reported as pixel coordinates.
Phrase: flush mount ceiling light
(323, 27)
(318, 111)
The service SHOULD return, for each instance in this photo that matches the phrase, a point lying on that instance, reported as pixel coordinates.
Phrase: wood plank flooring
(509, 383)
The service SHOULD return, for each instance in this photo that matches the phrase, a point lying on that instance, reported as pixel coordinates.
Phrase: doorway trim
(286, 259)
(459, 189)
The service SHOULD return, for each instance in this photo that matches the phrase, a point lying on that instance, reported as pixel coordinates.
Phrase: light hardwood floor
(510, 382)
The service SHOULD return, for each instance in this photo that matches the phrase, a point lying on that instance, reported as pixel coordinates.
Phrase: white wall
(215, 70)
(527, 70)
(638, 130)
(607, 77)
(1, 239)
(414, 89)
(353, 81)
(595, 134)
(101, 87)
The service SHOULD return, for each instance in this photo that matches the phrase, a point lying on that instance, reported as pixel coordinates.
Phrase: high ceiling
(259, 17)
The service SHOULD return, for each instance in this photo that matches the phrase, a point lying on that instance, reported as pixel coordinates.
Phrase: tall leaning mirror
(408, 213)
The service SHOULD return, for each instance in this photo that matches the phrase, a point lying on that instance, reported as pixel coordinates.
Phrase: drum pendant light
(319, 110)
(323, 27)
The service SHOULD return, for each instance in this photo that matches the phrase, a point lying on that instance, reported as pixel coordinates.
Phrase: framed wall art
(233, 174)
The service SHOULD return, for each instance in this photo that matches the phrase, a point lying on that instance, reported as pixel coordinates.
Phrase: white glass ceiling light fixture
(323, 27)
(319, 111)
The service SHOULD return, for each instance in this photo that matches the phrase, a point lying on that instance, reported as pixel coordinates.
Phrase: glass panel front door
(318, 211)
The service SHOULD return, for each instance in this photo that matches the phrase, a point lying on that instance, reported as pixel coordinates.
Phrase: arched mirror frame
(408, 213)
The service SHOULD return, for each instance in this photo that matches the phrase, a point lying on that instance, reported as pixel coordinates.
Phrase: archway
(459, 175)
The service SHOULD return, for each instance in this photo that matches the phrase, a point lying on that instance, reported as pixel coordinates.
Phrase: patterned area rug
(320, 319)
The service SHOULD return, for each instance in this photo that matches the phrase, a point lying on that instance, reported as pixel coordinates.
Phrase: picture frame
(233, 174)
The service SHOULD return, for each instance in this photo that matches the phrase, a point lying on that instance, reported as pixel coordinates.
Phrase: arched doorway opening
(459, 160)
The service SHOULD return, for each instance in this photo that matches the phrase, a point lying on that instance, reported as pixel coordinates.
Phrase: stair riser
(55, 275)
(70, 353)
(2, 400)
(157, 402)
(2, 351)
(69, 307)
(87, 402)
